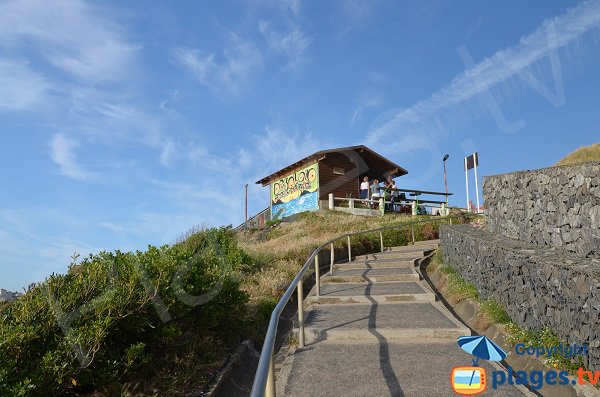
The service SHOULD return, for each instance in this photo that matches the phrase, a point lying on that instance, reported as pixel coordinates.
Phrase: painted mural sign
(295, 192)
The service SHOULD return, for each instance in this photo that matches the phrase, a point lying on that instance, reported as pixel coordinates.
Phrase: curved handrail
(264, 363)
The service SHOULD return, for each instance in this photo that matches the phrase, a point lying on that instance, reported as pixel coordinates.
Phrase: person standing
(375, 191)
(394, 195)
(364, 188)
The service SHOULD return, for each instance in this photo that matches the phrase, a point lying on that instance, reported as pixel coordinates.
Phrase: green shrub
(117, 312)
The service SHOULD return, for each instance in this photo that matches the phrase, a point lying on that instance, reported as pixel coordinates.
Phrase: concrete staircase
(377, 330)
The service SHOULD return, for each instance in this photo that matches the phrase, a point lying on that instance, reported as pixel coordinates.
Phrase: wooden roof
(376, 163)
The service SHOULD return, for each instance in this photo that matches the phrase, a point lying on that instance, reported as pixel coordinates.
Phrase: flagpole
(467, 183)
(475, 161)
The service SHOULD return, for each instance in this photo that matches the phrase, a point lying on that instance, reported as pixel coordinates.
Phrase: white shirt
(364, 186)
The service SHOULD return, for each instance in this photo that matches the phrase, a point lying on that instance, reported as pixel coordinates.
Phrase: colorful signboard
(295, 192)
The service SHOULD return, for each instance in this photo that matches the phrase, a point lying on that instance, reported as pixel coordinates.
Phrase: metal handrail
(264, 380)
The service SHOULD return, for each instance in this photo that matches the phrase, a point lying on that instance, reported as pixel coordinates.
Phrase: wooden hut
(306, 184)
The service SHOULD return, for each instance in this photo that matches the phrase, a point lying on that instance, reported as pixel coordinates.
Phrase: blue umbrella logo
(481, 347)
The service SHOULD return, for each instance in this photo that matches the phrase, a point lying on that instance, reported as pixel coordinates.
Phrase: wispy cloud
(20, 86)
(368, 102)
(62, 152)
(228, 73)
(505, 64)
(70, 35)
(292, 43)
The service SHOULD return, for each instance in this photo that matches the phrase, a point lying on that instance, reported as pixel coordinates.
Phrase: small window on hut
(338, 171)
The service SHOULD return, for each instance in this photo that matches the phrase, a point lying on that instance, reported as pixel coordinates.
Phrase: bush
(117, 314)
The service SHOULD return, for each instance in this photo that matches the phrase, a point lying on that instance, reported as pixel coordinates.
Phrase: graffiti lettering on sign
(294, 185)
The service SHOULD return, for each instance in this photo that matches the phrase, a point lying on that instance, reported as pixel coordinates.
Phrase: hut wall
(339, 185)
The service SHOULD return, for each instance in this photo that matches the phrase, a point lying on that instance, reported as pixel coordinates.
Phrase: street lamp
(446, 180)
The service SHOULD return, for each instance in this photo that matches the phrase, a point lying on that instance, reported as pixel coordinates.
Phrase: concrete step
(382, 292)
(372, 275)
(370, 289)
(375, 264)
(435, 242)
(375, 299)
(381, 368)
(375, 321)
(413, 253)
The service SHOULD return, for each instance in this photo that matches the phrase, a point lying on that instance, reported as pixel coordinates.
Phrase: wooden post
(351, 203)
(331, 201)
(381, 240)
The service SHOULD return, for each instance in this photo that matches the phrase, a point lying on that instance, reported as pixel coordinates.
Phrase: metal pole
(467, 183)
(446, 183)
(381, 239)
(476, 183)
(332, 259)
(317, 280)
(349, 251)
(270, 389)
(300, 314)
(246, 205)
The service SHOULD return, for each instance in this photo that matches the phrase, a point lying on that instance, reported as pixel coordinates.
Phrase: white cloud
(62, 153)
(503, 65)
(276, 147)
(293, 44)
(20, 86)
(71, 35)
(231, 74)
(201, 66)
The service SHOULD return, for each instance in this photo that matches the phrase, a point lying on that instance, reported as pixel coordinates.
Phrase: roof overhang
(394, 169)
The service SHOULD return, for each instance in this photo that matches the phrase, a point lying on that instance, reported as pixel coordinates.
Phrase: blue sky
(127, 123)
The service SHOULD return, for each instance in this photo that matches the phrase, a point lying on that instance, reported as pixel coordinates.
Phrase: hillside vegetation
(160, 322)
(283, 249)
(128, 323)
(582, 155)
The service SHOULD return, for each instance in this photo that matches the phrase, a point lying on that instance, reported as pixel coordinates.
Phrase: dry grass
(282, 249)
(582, 155)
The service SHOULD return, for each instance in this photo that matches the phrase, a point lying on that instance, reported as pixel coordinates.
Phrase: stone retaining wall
(538, 286)
(558, 207)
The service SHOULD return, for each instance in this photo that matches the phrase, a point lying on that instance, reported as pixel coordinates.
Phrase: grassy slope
(283, 249)
(582, 155)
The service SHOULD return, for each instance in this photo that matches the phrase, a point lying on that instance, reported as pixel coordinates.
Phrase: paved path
(376, 330)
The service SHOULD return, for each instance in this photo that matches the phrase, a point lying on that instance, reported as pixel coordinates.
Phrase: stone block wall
(538, 286)
(557, 207)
